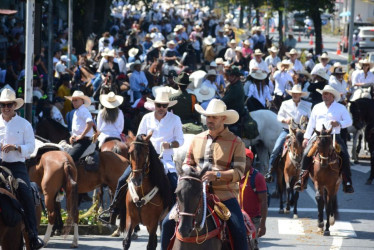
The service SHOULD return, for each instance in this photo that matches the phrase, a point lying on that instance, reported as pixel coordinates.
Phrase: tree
(314, 8)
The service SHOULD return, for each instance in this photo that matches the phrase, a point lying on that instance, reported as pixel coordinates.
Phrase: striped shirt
(227, 152)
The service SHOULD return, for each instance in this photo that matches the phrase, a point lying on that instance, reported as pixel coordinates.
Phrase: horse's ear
(329, 131)
(148, 136)
(132, 136)
(317, 132)
(293, 130)
(323, 127)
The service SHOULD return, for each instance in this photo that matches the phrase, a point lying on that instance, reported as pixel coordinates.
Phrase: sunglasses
(6, 105)
(159, 105)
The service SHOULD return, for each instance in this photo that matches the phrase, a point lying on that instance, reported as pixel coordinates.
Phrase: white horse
(269, 129)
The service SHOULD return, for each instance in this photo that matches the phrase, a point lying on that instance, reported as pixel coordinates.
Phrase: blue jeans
(137, 95)
(19, 170)
(96, 82)
(278, 147)
(235, 224)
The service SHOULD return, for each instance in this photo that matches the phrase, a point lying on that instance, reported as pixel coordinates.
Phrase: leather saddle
(90, 158)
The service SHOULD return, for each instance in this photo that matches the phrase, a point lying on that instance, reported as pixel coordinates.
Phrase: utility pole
(70, 38)
(50, 50)
(29, 58)
(351, 24)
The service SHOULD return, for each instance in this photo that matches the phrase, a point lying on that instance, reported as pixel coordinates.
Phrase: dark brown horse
(326, 177)
(54, 171)
(52, 130)
(149, 198)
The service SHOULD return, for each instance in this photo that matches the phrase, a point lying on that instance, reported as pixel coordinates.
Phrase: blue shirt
(222, 40)
(136, 78)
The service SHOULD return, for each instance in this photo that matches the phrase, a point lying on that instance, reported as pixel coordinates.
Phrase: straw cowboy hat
(364, 61)
(158, 44)
(8, 95)
(171, 43)
(219, 60)
(204, 93)
(292, 52)
(284, 62)
(110, 53)
(211, 72)
(80, 94)
(218, 108)
(162, 98)
(337, 68)
(247, 42)
(156, 90)
(232, 42)
(258, 52)
(259, 75)
(330, 90)
(322, 73)
(273, 49)
(182, 79)
(296, 89)
(133, 52)
(238, 49)
(111, 100)
(323, 56)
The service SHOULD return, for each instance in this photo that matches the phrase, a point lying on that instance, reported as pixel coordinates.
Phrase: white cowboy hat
(323, 56)
(108, 52)
(209, 40)
(247, 42)
(337, 68)
(158, 44)
(204, 93)
(133, 52)
(219, 60)
(162, 98)
(364, 61)
(322, 73)
(211, 72)
(296, 89)
(258, 52)
(156, 90)
(292, 52)
(64, 58)
(284, 62)
(330, 90)
(258, 75)
(273, 49)
(171, 43)
(80, 94)
(8, 95)
(111, 100)
(218, 108)
(232, 41)
(238, 49)
(197, 78)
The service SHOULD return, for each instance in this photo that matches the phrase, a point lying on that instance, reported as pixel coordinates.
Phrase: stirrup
(269, 178)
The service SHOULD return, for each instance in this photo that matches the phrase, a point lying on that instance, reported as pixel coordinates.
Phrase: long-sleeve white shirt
(297, 65)
(80, 118)
(282, 79)
(230, 54)
(320, 66)
(19, 132)
(262, 96)
(323, 115)
(339, 86)
(253, 64)
(288, 109)
(110, 129)
(359, 77)
(168, 129)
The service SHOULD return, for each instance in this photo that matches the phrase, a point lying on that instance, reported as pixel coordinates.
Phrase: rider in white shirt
(337, 81)
(293, 55)
(257, 63)
(323, 64)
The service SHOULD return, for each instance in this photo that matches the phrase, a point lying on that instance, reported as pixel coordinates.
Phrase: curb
(86, 229)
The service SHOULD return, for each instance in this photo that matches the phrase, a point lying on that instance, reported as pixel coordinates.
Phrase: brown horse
(149, 196)
(54, 171)
(289, 169)
(52, 130)
(326, 177)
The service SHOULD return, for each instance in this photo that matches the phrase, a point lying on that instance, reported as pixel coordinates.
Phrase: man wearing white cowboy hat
(204, 94)
(110, 120)
(364, 77)
(329, 114)
(82, 124)
(272, 60)
(292, 109)
(208, 49)
(210, 81)
(17, 143)
(230, 52)
(215, 149)
(171, 54)
(293, 55)
(283, 80)
(259, 39)
(257, 63)
(309, 64)
(323, 64)
(337, 80)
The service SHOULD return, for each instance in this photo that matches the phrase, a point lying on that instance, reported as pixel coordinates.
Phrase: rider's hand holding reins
(305, 142)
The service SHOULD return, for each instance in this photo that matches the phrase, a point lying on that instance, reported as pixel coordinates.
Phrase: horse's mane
(156, 173)
(299, 137)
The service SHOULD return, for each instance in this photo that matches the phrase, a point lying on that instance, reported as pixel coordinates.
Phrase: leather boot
(347, 185)
(268, 177)
(113, 207)
(301, 184)
(35, 242)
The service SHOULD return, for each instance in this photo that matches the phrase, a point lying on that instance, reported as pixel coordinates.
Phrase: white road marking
(361, 169)
(337, 243)
(291, 226)
(341, 210)
(343, 229)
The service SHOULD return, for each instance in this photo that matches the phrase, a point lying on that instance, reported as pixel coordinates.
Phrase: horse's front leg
(280, 190)
(152, 240)
(328, 203)
(296, 198)
(289, 192)
(129, 228)
(320, 204)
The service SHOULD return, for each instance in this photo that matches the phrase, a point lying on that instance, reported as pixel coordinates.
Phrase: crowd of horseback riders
(177, 70)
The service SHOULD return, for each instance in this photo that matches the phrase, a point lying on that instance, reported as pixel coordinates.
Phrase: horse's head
(324, 145)
(189, 200)
(357, 118)
(296, 146)
(139, 157)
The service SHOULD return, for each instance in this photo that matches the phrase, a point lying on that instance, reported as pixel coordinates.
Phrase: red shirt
(251, 204)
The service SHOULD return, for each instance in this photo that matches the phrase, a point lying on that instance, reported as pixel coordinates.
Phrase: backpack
(252, 181)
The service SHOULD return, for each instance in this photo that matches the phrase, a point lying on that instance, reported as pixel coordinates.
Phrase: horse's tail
(71, 189)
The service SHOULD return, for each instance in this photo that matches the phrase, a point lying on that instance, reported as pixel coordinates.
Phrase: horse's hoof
(369, 181)
(286, 211)
(116, 233)
(134, 236)
(74, 246)
(326, 233)
(320, 229)
(332, 220)
(281, 211)
(320, 224)
(356, 162)
(295, 216)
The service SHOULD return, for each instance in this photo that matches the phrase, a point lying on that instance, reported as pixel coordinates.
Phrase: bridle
(323, 158)
(145, 169)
